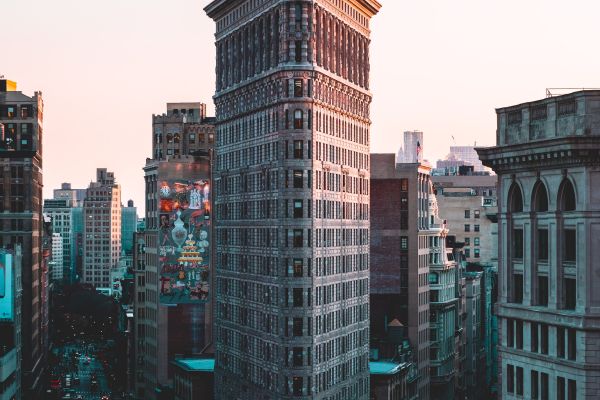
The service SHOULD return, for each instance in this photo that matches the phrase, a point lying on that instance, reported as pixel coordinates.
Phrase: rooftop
(385, 367)
(196, 364)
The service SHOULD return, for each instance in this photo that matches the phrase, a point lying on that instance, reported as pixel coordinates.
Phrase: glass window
(570, 294)
(298, 209)
(467, 241)
(467, 252)
(570, 244)
(298, 238)
(298, 149)
(298, 326)
(467, 213)
(298, 119)
(298, 88)
(517, 288)
(298, 297)
(298, 50)
(476, 241)
(476, 252)
(542, 245)
(298, 267)
(476, 213)
(542, 291)
(534, 385)
(510, 376)
(519, 381)
(467, 228)
(517, 243)
(10, 110)
(476, 228)
(298, 178)
(297, 356)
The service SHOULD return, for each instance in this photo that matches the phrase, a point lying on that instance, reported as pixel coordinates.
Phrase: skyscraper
(21, 220)
(292, 185)
(102, 229)
(129, 220)
(547, 159)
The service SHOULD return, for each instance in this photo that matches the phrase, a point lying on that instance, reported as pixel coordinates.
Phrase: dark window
(534, 385)
(540, 197)
(542, 291)
(298, 297)
(519, 334)
(298, 267)
(542, 245)
(467, 213)
(572, 340)
(544, 386)
(298, 88)
(467, 252)
(539, 112)
(570, 294)
(534, 337)
(515, 117)
(298, 210)
(517, 288)
(560, 342)
(298, 119)
(570, 243)
(515, 199)
(566, 201)
(560, 388)
(298, 149)
(404, 185)
(476, 228)
(519, 381)
(476, 253)
(517, 244)
(476, 213)
(297, 385)
(298, 51)
(510, 376)
(510, 333)
(298, 325)
(467, 228)
(544, 338)
(298, 178)
(298, 358)
(566, 107)
(298, 238)
(25, 112)
(572, 395)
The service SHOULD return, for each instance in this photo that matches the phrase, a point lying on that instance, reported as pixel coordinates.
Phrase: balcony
(8, 364)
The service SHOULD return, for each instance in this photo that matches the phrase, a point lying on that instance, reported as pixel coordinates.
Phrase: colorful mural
(184, 241)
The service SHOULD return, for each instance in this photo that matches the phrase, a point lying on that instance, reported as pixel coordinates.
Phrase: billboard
(184, 239)
(6, 288)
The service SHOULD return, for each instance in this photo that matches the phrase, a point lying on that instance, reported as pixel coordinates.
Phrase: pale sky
(440, 66)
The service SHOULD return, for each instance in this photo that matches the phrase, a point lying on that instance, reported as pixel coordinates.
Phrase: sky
(440, 66)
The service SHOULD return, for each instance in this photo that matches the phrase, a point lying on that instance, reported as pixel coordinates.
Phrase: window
(298, 238)
(298, 119)
(476, 228)
(404, 185)
(519, 381)
(467, 228)
(544, 386)
(572, 344)
(560, 342)
(542, 292)
(476, 241)
(298, 149)
(467, 241)
(560, 388)
(467, 213)
(298, 297)
(510, 333)
(297, 385)
(515, 199)
(404, 243)
(517, 288)
(510, 376)
(572, 390)
(534, 385)
(298, 51)
(298, 178)
(566, 200)
(544, 338)
(540, 197)
(476, 213)
(298, 210)
(570, 294)
(297, 357)
(467, 252)
(298, 267)
(542, 245)
(298, 88)
(517, 243)
(298, 326)
(433, 278)
(534, 337)
(476, 252)
(519, 334)
(570, 245)
(10, 110)
(25, 112)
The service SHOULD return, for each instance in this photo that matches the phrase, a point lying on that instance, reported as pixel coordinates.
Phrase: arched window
(515, 198)
(566, 196)
(539, 197)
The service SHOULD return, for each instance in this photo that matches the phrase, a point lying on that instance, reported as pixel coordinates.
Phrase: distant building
(391, 380)
(411, 150)
(193, 378)
(21, 181)
(462, 155)
(56, 269)
(74, 197)
(129, 222)
(61, 215)
(547, 158)
(11, 340)
(102, 229)
(400, 251)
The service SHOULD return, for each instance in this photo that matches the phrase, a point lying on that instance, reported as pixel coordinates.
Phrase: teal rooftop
(196, 364)
(385, 367)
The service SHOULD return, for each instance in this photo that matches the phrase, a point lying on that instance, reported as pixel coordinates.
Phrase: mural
(184, 236)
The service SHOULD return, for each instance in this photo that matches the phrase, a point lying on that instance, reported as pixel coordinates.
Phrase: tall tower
(21, 180)
(292, 198)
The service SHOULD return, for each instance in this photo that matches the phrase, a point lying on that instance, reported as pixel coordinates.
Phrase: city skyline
(117, 46)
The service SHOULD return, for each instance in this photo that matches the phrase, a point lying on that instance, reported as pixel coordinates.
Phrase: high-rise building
(292, 179)
(21, 222)
(166, 325)
(547, 158)
(400, 251)
(56, 260)
(10, 323)
(102, 229)
(74, 197)
(129, 220)
(61, 215)
(411, 150)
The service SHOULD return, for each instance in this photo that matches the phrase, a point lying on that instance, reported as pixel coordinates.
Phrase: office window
(298, 119)
(544, 386)
(542, 245)
(298, 238)
(534, 337)
(298, 297)
(298, 326)
(519, 334)
(298, 88)
(510, 376)
(570, 245)
(476, 228)
(517, 288)
(467, 241)
(476, 213)
(467, 213)
(560, 342)
(542, 291)
(519, 381)
(298, 357)
(298, 268)
(476, 241)
(570, 293)
(467, 228)
(572, 390)
(534, 385)
(510, 333)
(572, 344)
(544, 338)
(298, 149)
(298, 209)
(517, 244)
(476, 252)
(298, 178)
(560, 388)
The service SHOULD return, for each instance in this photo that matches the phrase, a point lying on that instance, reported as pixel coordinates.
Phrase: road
(83, 367)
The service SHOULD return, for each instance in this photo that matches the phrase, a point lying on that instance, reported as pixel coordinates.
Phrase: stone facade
(292, 179)
(547, 161)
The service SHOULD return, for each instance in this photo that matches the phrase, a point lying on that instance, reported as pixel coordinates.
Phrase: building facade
(102, 229)
(21, 181)
(61, 215)
(547, 160)
(292, 177)
(129, 221)
(56, 260)
(400, 256)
